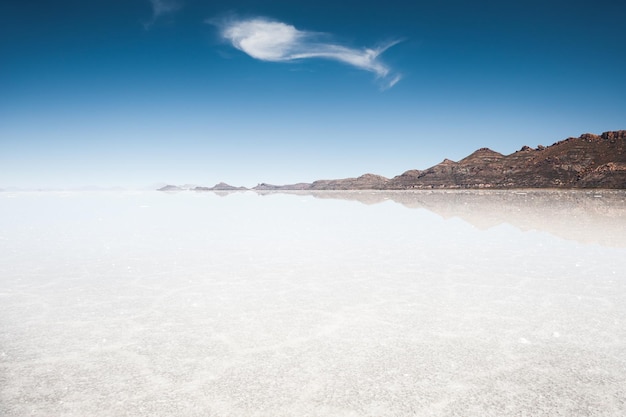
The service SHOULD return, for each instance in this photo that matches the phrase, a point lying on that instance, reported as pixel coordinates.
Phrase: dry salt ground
(199, 304)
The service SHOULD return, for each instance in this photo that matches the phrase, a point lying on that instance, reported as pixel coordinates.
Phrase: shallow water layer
(320, 304)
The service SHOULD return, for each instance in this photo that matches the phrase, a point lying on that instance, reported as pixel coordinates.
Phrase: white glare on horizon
(274, 41)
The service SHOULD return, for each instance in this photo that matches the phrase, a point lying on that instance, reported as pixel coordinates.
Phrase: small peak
(485, 152)
(589, 136)
(264, 186)
(615, 134)
(411, 173)
(170, 187)
(369, 176)
(447, 162)
(222, 186)
(482, 154)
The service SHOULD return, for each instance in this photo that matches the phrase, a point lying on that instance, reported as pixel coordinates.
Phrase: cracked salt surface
(154, 304)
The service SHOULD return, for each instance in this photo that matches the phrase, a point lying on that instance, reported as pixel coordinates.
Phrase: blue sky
(131, 93)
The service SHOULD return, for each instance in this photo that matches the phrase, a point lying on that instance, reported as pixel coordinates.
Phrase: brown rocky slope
(589, 161)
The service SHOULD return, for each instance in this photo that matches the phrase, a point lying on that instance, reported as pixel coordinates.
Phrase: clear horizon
(142, 92)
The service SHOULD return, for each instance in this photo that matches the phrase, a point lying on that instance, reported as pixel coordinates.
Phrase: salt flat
(426, 304)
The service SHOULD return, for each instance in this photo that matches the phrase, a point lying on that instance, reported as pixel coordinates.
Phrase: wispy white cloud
(162, 7)
(274, 41)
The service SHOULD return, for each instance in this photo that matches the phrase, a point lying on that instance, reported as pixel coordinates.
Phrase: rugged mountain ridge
(589, 161)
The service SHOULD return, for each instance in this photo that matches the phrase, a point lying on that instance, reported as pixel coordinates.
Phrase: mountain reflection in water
(588, 216)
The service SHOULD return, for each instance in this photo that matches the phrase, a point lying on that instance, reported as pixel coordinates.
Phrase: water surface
(313, 304)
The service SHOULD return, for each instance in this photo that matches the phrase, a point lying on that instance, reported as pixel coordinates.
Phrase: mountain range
(588, 161)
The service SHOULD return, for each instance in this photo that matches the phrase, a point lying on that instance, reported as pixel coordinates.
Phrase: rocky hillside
(589, 161)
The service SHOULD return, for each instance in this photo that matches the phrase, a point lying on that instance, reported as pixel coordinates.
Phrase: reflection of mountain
(583, 216)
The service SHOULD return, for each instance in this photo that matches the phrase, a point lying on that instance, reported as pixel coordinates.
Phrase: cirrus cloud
(273, 41)
(162, 7)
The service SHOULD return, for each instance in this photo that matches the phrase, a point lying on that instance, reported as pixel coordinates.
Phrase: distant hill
(222, 186)
(170, 188)
(589, 161)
